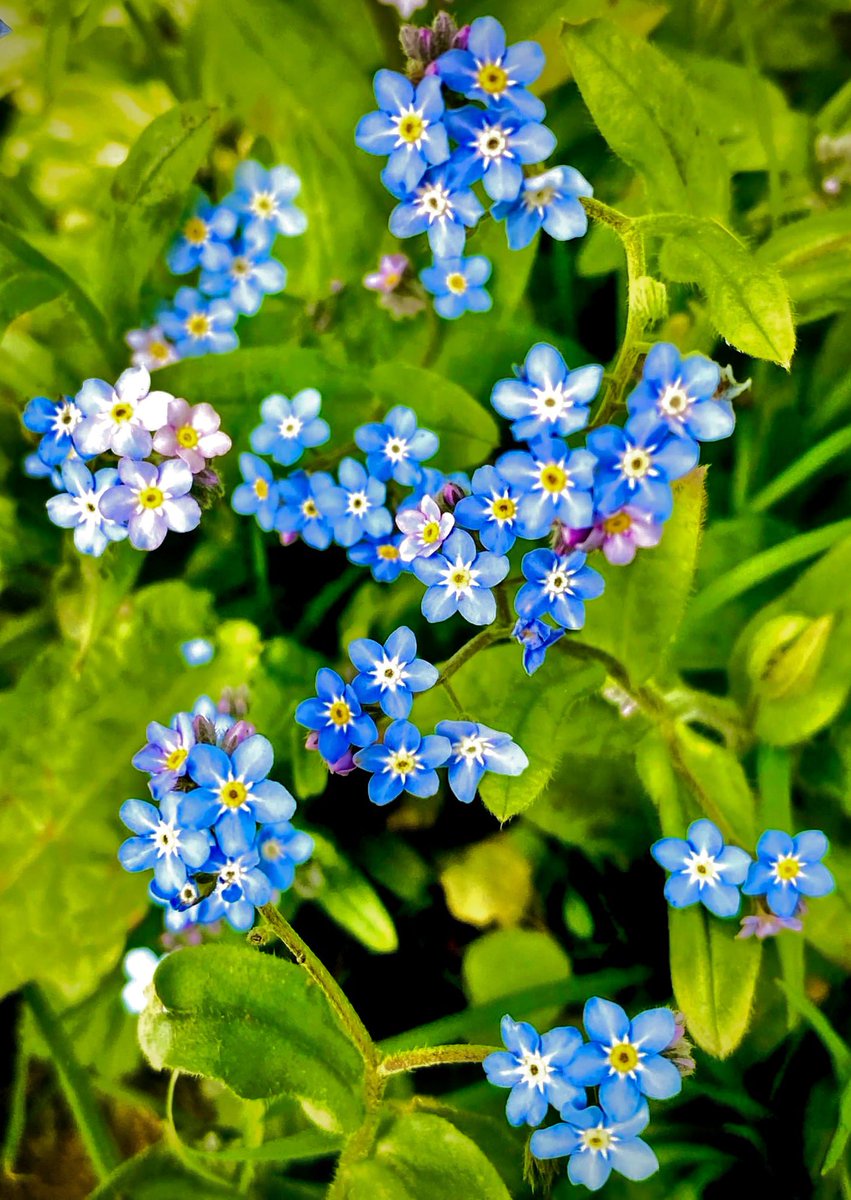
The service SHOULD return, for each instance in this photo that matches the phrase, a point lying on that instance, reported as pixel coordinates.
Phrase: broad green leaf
(507, 960)
(637, 618)
(258, 1024)
(421, 1157)
(23, 287)
(351, 901)
(719, 784)
(747, 300)
(641, 103)
(814, 258)
(488, 883)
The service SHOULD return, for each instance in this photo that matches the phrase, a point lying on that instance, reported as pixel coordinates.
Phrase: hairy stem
(433, 1056)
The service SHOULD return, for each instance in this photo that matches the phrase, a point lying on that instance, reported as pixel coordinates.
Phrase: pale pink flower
(192, 433)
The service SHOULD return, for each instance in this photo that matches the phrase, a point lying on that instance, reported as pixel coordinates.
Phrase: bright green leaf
(814, 258)
(506, 960)
(350, 899)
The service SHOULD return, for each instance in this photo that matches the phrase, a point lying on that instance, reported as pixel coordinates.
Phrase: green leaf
(814, 258)
(717, 775)
(747, 300)
(641, 103)
(505, 960)
(258, 1024)
(23, 287)
(637, 618)
(157, 1174)
(421, 1157)
(351, 901)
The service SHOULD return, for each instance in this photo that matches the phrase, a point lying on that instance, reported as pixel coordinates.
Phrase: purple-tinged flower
(595, 1144)
(308, 504)
(191, 433)
(290, 426)
(459, 579)
(681, 393)
(564, 540)
(622, 533)
(555, 485)
(56, 420)
(119, 418)
(439, 207)
(494, 144)
(395, 447)
(257, 495)
(404, 762)
(336, 715)
(356, 507)
(167, 839)
(165, 753)
(788, 868)
(79, 507)
(475, 749)
(263, 201)
(246, 275)
(197, 652)
(198, 325)
(458, 285)
(557, 587)
(487, 72)
(281, 849)
(491, 510)
(546, 398)
(381, 555)
(426, 528)
(202, 241)
(408, 128)
(549, 201)
(152, 500)
(389, 675)
(533, 1067)
(151, 348)
(702, 869)
(391, 271)
(536, 637)
(762, 925)
(635, 465)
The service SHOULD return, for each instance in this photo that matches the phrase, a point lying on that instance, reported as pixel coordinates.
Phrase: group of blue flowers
(230, 247)
(217, 836)
(497, 139)
(628, 1062)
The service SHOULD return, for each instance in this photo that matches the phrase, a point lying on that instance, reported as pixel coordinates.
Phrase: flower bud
(311, 742)
(786, 654)
(565, 540)
(679, 1048)
(344, 765)
(450, 494)
(649, 297)
(236, 734)
(204, 730)
(287, 539)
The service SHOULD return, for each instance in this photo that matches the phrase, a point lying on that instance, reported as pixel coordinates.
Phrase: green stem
(433, 1056)
(17, 1107)
(481, 641)
(74, 1082)
(175, 1142)
(356, 1149)
(453, 698)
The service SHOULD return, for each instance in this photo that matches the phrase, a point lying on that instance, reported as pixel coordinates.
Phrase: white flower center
(472, 747)
(598, 1140)
(66, 418)
(460, 577)
(433, 202)
(402, 762)
(357, 504)
(702, 869)
(675, 400)
(551, 401)
(290, 427)
(88, 507)
(166, 839)
(535, 1069)
(636, 463)
(491, 142)
(233, 873)
(389, 673)
(264, 205)
(557, 582)
(539, 198)
(396, 449)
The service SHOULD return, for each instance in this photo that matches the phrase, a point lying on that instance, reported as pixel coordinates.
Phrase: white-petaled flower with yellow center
(426, 528)
(119, 418)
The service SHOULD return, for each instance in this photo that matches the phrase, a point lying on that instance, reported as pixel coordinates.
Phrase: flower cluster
(399, 759)
(439, 146)
(162, 445)
(228, 247)
(705, 871)
(217, 835)
(628, 1062)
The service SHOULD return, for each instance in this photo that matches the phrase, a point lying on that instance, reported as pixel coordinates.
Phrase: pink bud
(564, 540)
(237, 733)
(451, 493)
(311, 742)
(462, 37)
(344, 765)
(287, 539)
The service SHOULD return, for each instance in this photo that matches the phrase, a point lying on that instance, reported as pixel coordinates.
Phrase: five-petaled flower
(395, 447)
(336, 715)
(119, 418)
(290, 426)
(555, 485)
(457, 285)
(426, 528)
(245, 276)
(151, 348)
(258, 495)
(595, 1143)
(408, 128)
(307, 506)
(622, 533)
(241, 886)
(476, 749)
(404, 762)
(491, 510)
(533, 1066)
(494, 144)
(635, 465)
(198, 325)
(152, 500)
(79, 507)
(549, 201)
(263, 201)
(459, 579)
(281, 849)
(381, 555)
(388, 675)
(167, 839)
(356, 507)
(56, 420)
(165, 753)
(202, 241)
(488, 72)
(703, 870)
(788, 868)
(558, 586)
(440, 208)
(546, 398)
(191, 432)
(680, 391)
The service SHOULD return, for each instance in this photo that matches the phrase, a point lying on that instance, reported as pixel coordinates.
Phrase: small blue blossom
(241, 887)
(395, 447)
(308, 504)
(788, 868)
(557, 586)
(679, 392)
(139, 966)
(119, 418)
(389, 675)
(246, 275)
(56, 420)
(548, 201)
(635, 465)
(263, 201)
(281, 849)
(381, 555)
(459, 579)
(536, 637)
(457, 285)
(703, 870)
(336, 715)
(487, 72)
(198, 325)
(595, 1144)
(165, 753)
(258, 495)
(290, 426)
(493, 145)
(533, 1067)
(624, 1058)
(197, 652)
(408, 128)
(404, 762)
(555, 483)
(476, 749)
(234, 792)
(546, 398)
(358, 508)
(441, 208)
(78, 507)
(491, 510)
(168, 840)
(203, 240)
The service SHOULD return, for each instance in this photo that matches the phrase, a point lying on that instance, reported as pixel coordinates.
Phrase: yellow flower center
(457, 283)
(195, 231)
(597, 1139)
(539, 198)
(152, 497)
(460, 577)
(504, 509)
(121, 412)
(309, 509)
(624, 1057)
(198, 325)
(403, 763)
(233, 793)
(493, 79)
(411, 128)
(261, 489)
(187, 436)
(788, 868)
(553, 478)
(271, 849)
(158, 350)
(431, 532)
(263, 204)
(388, 552)
(241, 266)
(177, 758)
(339, 713)
(636, 463)
(619, 523)
(391, 280)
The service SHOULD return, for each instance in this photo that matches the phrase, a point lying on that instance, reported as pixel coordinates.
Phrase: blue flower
(486, 71)
(533, 1067)
(536, 637)
(404, 762)
(168, 840)
(548, 201)
(165, 753)
(358, 508)
(679, 392)
(439, 207)
(381, 555)
(197, 651)
(197, 325)
(457, 285)
(258, 495)
(290, 426)
(476, 749)
(281, 849)
(636, 464)
(336, 715)
(703, 870)
(408, 127)
(241, 887)
(34, 467)
(57, 420)
(546, 398)
(624, 1058)
(78, 507)
(491, 510)
(150, 500)
(307, 506)
(558, 586)
(246, 275)
(388, 675)
(595, 1144)
(788, 868)
(555, 483)
(459, 579)
(203, 240)
(493, 145)
(263, 201)
(234, 793)
(395, 447)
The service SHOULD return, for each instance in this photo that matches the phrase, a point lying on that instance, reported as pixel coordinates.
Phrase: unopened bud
(344, 765)
(649, 298)
(204, 730)
(287, 539)
(311, 742)
(237, 733)
(565, 540)
(680, 1047)
(786, 654)
(450, 494)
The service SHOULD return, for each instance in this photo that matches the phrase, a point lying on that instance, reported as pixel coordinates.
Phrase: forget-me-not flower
(263, 201)
(290, 426)
(165, 753)
(535, 636)
(56, 420)
(404, 762)
(381, 555)
(491, 510)
(595, 1144)
(241, 886)
(151, 500)
(555, 485)
(358, 508)
(488, 72)
(548, 201)
(635, 465)
(202, 241)
(680, 391)
(459, 579)
(458, 285)
(788, 868)
(336, 715)
(79, 507)
(198, 325)
(246, 276)
(258, 495)
(408, 128)
(533, 1067)
(546, 398)
(119, 418)
(557, 585)
(281, 849)
(439, 207)
(622, 533)
(388, 675)
(308, 506)
(151, 348)
(191, 432)
(167, 840)
(702, 869)
(395, 447)
(494, 144)
(475, 749)
(426, 528)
